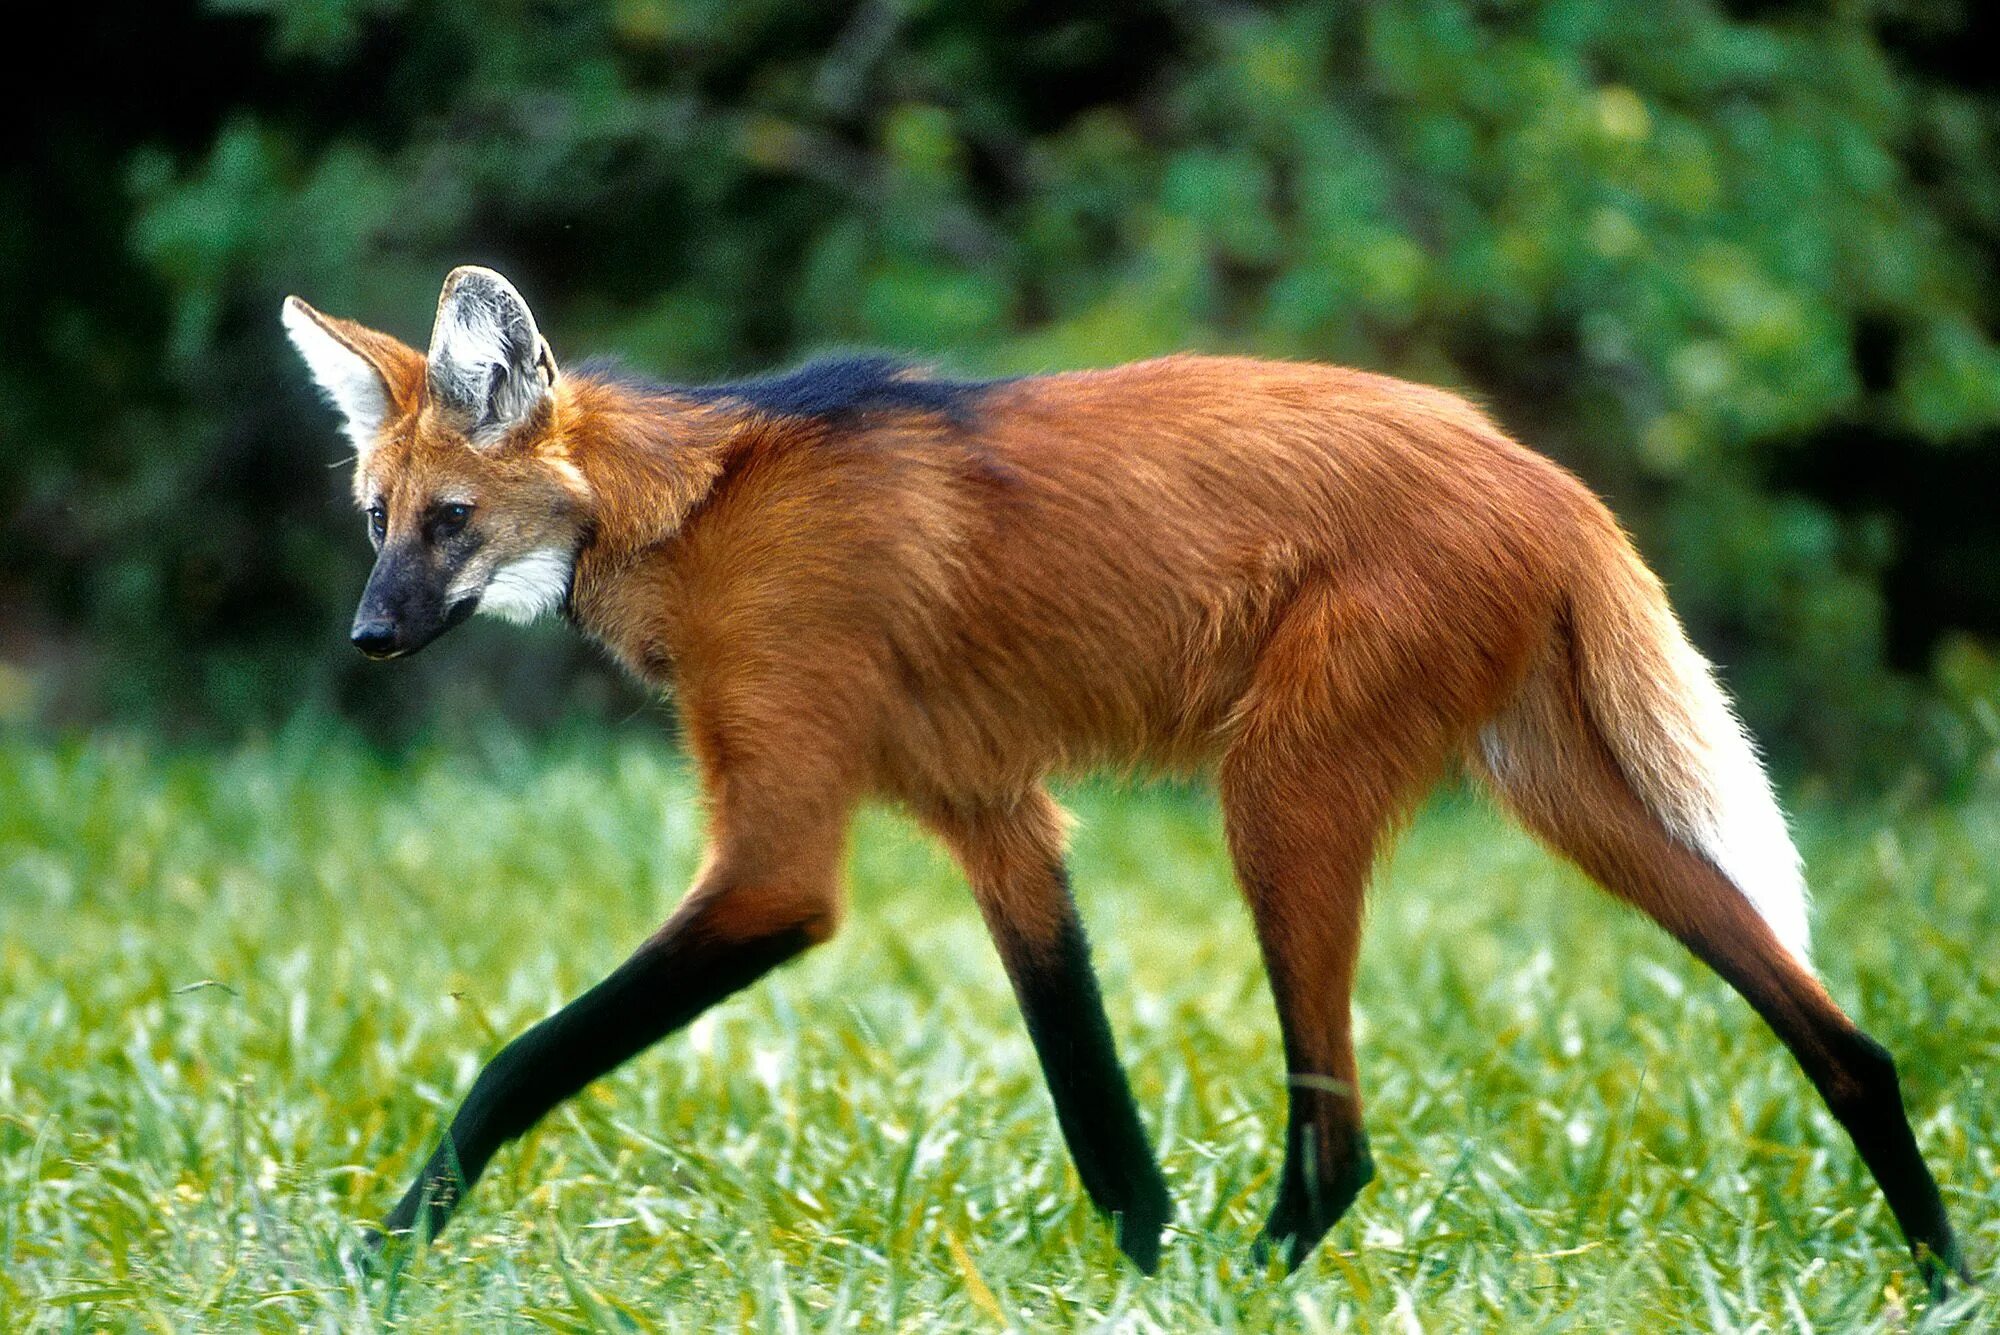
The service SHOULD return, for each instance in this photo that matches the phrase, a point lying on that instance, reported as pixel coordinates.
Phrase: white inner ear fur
(486, 357)
(528, 586)
(345, 378)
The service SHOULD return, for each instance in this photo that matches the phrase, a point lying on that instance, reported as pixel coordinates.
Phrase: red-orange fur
(1321, 584)
(1322, 581)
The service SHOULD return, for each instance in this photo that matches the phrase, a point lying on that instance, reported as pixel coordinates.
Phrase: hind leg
(1328, 756)
(1551, 768)
(1304, 869)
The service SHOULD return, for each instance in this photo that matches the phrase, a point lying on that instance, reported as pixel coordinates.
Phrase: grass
(241, 990)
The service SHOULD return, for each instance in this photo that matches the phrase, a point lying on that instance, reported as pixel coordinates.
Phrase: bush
(1731, 262)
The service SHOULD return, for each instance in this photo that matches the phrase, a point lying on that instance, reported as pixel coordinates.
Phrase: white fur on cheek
(349, 383)
(528, 587)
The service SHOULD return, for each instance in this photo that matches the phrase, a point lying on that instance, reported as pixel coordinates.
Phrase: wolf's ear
(367, 375)
(488, 363)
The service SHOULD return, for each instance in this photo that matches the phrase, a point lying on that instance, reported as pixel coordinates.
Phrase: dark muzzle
(403, 607)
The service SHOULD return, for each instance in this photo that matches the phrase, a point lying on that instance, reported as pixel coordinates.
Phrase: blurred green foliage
(1733, 262)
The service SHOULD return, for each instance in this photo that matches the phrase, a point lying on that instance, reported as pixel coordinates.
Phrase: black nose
(376, 638)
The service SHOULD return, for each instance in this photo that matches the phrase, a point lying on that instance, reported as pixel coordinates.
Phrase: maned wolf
(862, 580)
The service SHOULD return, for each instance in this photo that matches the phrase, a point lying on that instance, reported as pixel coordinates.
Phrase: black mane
(832, 389)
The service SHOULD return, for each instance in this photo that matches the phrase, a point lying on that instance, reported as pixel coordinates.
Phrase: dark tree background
(1735, 263)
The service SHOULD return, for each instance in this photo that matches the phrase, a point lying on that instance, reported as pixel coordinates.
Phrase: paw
(1139, 1227)
(1287, 1241)
(1303, 1215)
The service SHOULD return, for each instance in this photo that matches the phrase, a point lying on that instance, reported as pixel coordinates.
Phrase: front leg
(745, 916)
(1012, 854)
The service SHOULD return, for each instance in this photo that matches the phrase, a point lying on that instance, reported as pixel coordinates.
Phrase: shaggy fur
(1321, 585)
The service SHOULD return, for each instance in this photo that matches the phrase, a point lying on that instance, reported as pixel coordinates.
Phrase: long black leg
(681, 971)
(1057, 989)
(1012, 853)
(1856, 1077)
(1303, 834)
(1327, 1159)
(1573, 796)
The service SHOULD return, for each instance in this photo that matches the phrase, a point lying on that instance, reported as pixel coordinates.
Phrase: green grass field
(240, 991)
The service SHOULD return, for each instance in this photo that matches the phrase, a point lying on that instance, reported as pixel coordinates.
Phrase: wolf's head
(462, 465)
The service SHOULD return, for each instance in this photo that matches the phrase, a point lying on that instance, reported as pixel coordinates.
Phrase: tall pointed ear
(488, 363)
(367, 375)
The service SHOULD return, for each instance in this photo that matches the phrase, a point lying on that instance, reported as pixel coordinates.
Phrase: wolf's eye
(451, 518)
(378, 522)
